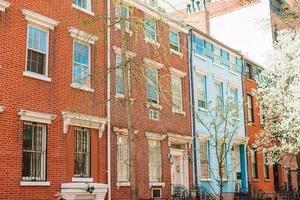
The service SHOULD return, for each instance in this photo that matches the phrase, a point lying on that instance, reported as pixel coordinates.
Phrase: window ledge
(118, 27)
(2, 109)
(153, 42)
(203, 109)
(34, 183)
(83, 10)
(82, 180)
(121, 96)
(255, 180)
(236, 119)
(155, 106)
(219, 65)
(36, 76)
(80, 87)
(178, 112)
(156, 184)
(123, 184)
(205, 179)
(250, 123)
(172, 51)
(267, 180)
(233, 72)
(201, 57)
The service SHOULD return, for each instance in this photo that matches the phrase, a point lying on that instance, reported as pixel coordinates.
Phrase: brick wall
(20, 92)
(169, 122)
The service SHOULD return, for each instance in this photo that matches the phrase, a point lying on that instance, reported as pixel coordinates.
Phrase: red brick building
(159, 86)
(52, 122)
(261, 176)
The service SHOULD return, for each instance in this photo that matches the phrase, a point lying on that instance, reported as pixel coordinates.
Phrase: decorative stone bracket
(83, 120)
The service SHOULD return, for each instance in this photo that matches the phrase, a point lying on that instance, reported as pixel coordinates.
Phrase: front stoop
(78, 191)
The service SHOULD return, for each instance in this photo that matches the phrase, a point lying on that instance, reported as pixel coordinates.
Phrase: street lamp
(195, 5)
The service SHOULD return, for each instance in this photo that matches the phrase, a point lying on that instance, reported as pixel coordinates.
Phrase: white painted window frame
(178, 40)
(206, 141)
(79, 86)
(28, 73)
(85, 10)
(118, 160)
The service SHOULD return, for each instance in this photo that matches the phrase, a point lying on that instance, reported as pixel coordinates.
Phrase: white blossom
(278, 94)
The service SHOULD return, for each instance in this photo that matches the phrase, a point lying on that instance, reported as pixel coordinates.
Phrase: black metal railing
(180, 192)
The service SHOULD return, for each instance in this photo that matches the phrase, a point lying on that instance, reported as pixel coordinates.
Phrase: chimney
(199, 20)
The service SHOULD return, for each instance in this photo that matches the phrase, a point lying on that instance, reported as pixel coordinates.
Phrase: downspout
(245, 121)
(108, 99)
(192, 107)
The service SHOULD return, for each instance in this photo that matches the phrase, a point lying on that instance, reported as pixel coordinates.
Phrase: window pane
(83, 3)
(174, 40)
(123, 158)
(37, 39)
(202, 93)
(150, 28)
(152, 84)
(81, 53)
(82, 152)
(34, 152)
(154, 160)
(219, 97)
(176, 93)
(81, 69)
(204, 160)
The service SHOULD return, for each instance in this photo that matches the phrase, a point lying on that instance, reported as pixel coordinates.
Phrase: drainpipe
(245, 121)
(192, 107)
(108, 98)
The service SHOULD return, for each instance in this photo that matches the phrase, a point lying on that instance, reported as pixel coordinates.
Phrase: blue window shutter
(198, 46)
(239, 64)
(208, 49)
(225, 58)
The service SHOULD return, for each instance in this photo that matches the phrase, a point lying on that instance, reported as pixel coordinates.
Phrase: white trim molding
(32, 116)
(83, 36)
(129, 54)
(239, 140)
(234, 85)
(151, 63)
(72, 191)
(155, 136)
(84, 120)
(201, 71)
(82, 180)
(156, 184)
(2, 109)
(39, 19)
(36, 76)
(122, 184)
(204, 137)
(34, 183)
(179, 139)
(4, 5)
(177, 72)
(122, 131)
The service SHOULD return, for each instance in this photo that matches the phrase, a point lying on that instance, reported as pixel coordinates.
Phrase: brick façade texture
(253, 129)
(20, 92)
(168, 122)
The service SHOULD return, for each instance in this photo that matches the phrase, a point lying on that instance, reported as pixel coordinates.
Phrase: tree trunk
(129, 109)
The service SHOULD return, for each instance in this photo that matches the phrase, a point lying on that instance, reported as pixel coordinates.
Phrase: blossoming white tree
(278, 94)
